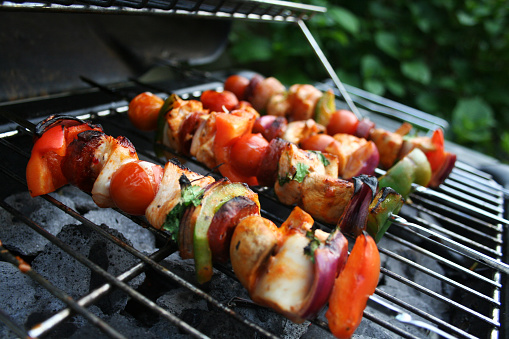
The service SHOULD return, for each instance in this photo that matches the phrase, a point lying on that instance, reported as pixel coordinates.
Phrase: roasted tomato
(219, 101)
(342, 121)
(236, 84)
(144, 110)
(134, 185)
(229, 128)
(247, 152)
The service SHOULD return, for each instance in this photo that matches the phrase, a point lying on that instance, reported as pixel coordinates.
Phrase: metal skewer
(328, 67)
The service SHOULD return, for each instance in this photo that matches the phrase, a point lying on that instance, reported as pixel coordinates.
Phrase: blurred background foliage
(445, 57)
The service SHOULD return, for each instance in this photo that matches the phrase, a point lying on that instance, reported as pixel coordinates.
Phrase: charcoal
(209, 319)
(17, 295)
(142, 239)
(76, 279)
(19, 237)
(123, 324)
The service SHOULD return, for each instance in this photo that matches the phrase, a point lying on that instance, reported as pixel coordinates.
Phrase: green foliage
(448, 58)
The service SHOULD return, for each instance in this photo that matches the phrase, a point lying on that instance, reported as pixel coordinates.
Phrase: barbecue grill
(72, 270)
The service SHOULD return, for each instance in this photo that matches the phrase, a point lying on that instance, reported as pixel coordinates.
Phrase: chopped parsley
(188, 195)
(301, 171)
(313, 245)
(322, 158)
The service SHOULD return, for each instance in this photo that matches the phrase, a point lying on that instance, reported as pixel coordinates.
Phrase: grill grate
(252, 10)
(412, 259)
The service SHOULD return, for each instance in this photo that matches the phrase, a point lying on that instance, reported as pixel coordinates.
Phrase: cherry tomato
(237, 84)
(247, 152)
(229, 128)
(342, 121)
(134, 185)
(317, 142)
(215, 101)
(436, 157)
(144, 110)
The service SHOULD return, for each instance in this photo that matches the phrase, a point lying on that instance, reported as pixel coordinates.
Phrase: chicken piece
(278, 105)
(169, 193)
(347, 146)
(303, 99)
(324, 197)
(389, 145)
(296, 131)
(423, 143)
(294, 165)
(202, 146)
(122, 151)
(175, 118)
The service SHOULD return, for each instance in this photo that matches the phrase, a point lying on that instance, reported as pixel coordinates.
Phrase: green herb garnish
(301, 171)
(322, 158)
(188, 195)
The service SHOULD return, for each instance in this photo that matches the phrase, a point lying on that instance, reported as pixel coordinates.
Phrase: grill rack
(485, 236)
(252, 10)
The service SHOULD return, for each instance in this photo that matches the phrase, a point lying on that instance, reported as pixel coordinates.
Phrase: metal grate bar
(458, 225)
(440, 277)
(174, 320)
(439, 296)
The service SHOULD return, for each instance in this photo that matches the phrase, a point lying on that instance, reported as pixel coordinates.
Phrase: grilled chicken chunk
(296, 131)
(176, 117)
(202, 146)
(294, 165)
(324, 197)
(303, 99)
(169, 193)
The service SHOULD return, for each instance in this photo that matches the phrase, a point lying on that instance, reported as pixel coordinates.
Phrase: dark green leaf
(387, 42)
(472, 120)
(416, 70)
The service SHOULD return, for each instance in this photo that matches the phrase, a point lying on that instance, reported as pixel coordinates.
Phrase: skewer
(329, 68)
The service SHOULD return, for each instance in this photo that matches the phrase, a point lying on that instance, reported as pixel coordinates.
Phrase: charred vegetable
(387, 201)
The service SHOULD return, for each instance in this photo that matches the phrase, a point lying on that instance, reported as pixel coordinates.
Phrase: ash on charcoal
(142, 239)
(76, 279)
(17, 295)
(17, 236)
(212, 321)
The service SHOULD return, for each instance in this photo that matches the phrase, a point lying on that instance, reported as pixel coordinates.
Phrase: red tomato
(237, 84)
(247, 153)
(144, 111)
(436, 158)
(342, 121)
(230, 127)
(215, 101)
(134, 185)
(317, 142)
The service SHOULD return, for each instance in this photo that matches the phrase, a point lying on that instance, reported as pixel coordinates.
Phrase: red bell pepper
(43, 173)
(353, 287)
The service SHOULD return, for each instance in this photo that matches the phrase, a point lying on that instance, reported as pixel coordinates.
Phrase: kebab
(67, 150)
(308, 179)
(302, 102)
